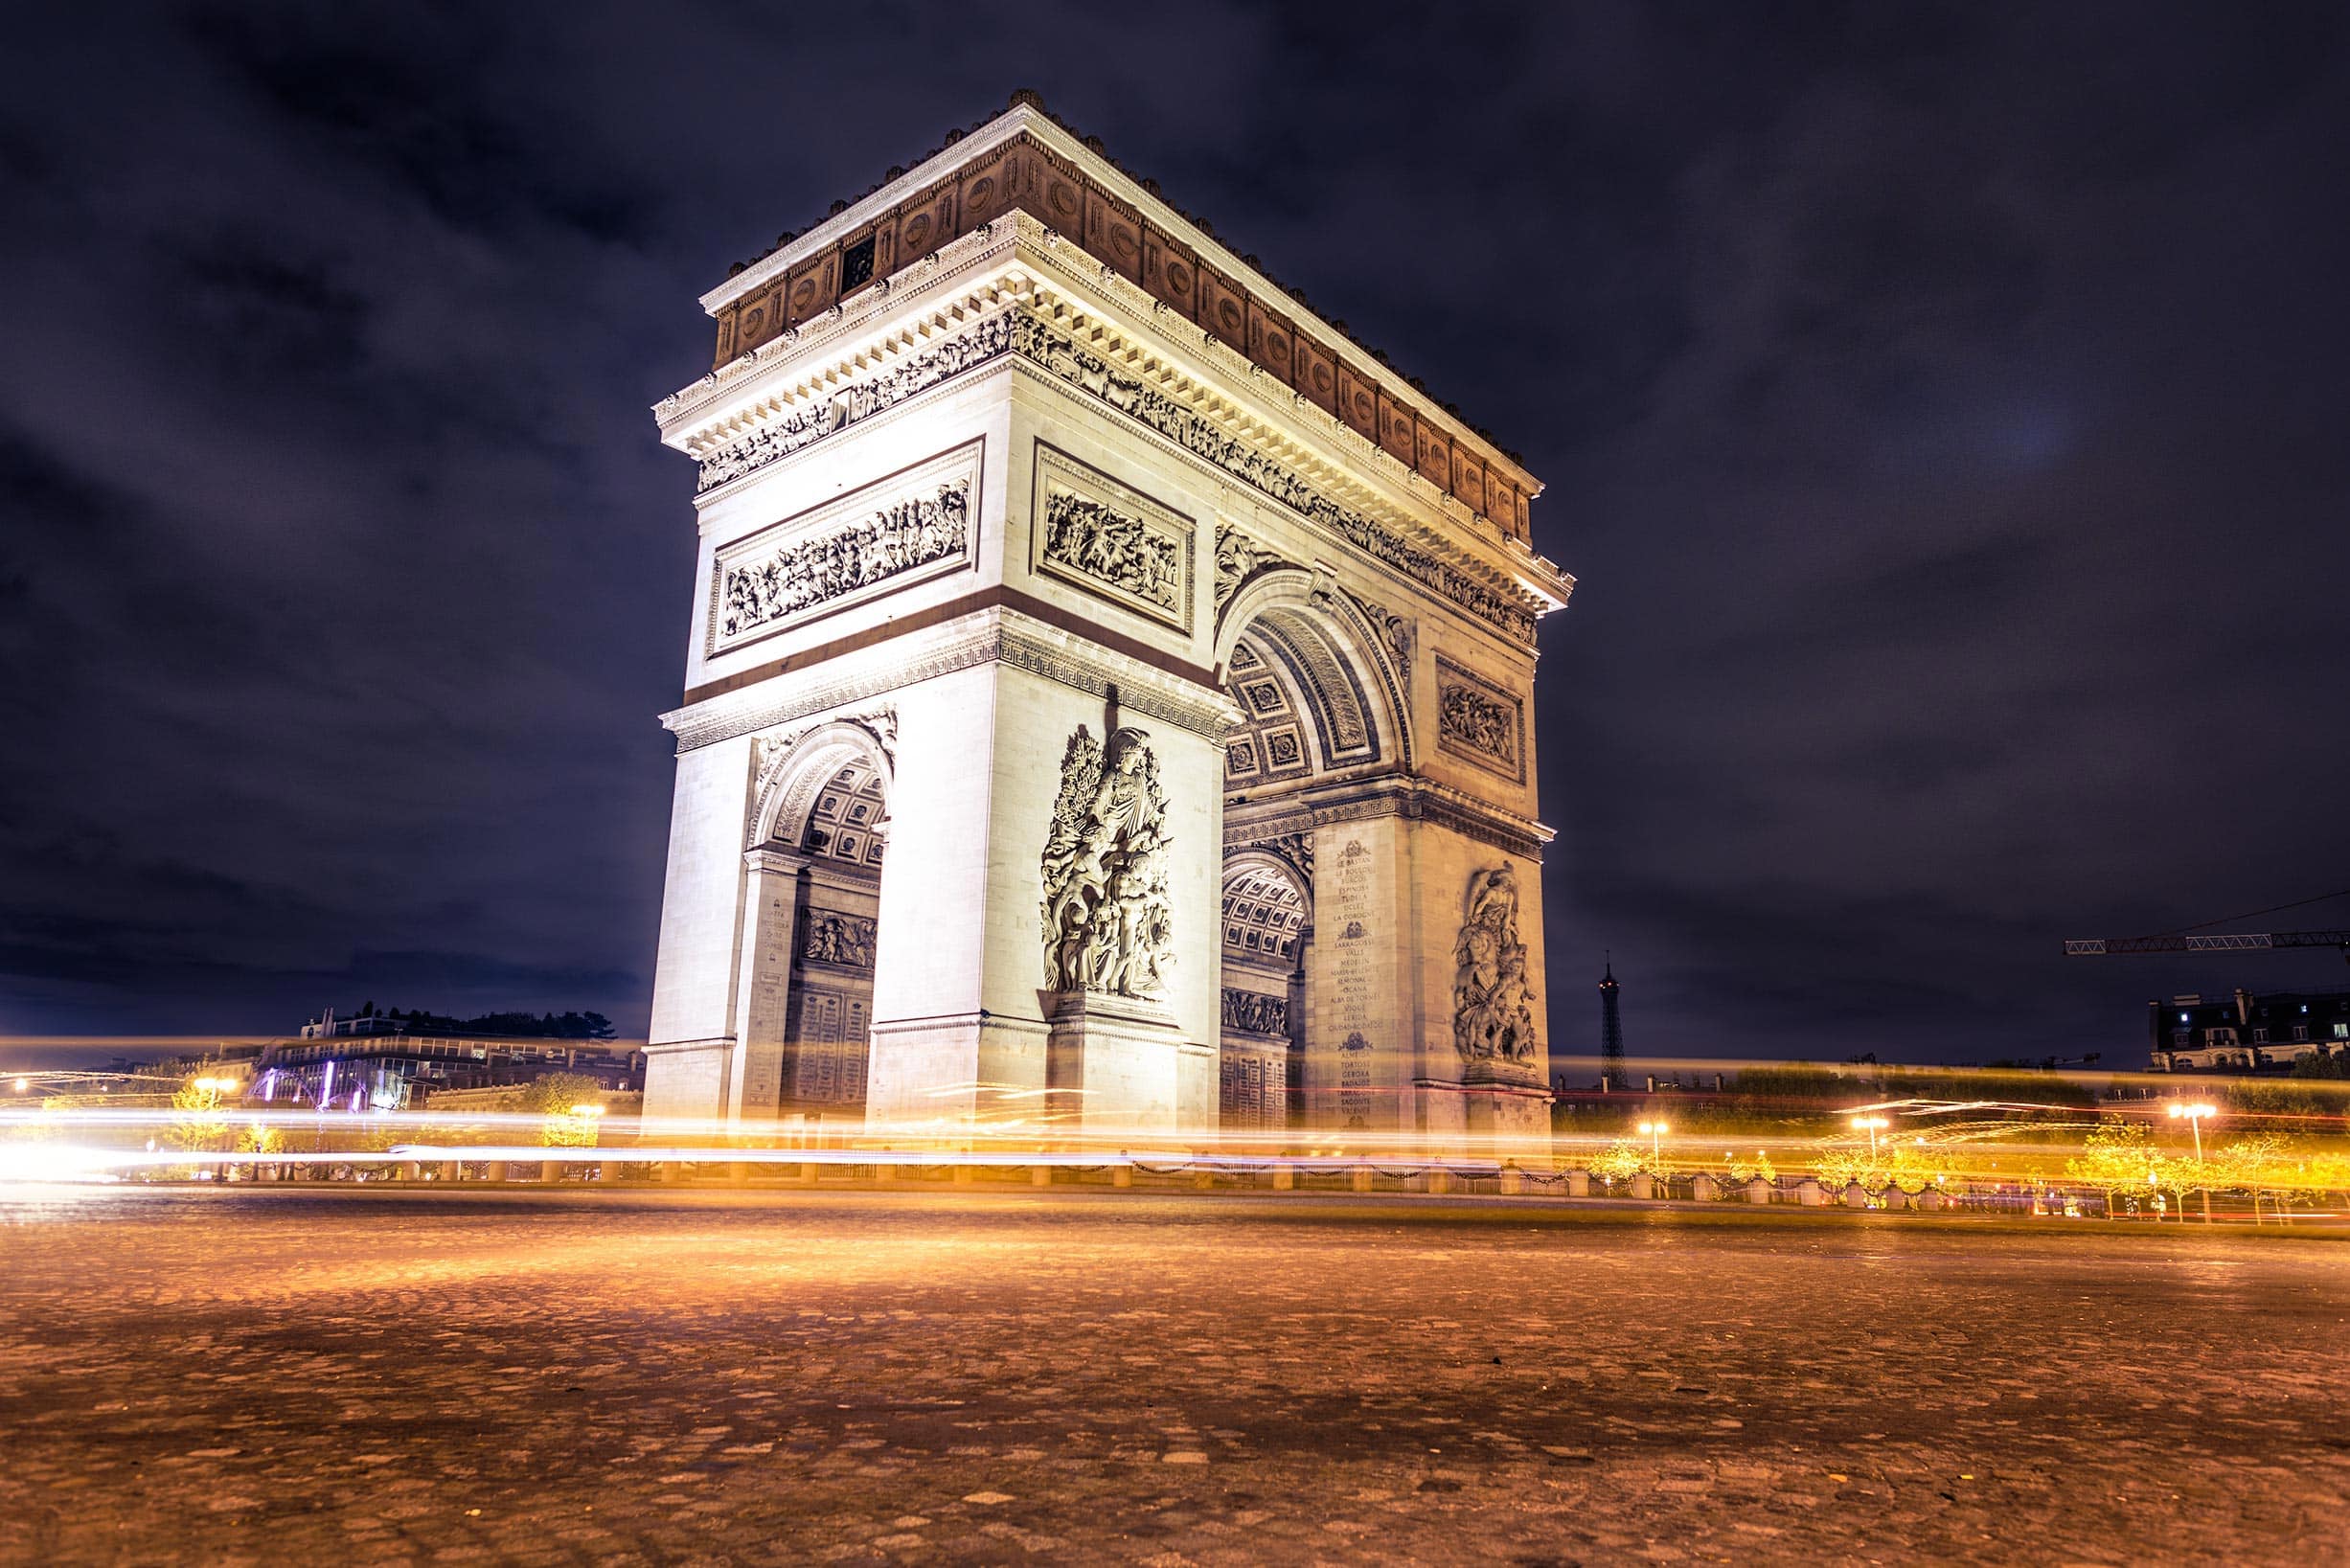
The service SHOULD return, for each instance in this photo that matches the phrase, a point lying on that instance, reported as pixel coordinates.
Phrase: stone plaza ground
(747, 1376)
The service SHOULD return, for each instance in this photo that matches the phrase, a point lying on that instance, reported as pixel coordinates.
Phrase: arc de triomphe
(1108, 691)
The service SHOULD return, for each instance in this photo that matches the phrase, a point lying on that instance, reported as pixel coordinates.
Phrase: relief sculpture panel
(1492, 1003)
(1108, 922)
(883, 536)
(1478, 720)
(1113, 539)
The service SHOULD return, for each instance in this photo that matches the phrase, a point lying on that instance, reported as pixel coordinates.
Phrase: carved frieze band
(1111, 539)
(889, 535)
(917, 374)
(1479, 721)
(1042, 344)
(1252, 1012)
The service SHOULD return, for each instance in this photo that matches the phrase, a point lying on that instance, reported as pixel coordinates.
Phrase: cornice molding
(1414, 800)
(1024, 120)
(991, 636)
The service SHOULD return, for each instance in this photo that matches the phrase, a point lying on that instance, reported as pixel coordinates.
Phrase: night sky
(1942, 408)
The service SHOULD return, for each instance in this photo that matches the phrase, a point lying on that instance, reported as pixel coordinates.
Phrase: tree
(2116, 1157)
(1622, 1161)
(199, 1119)
(554, 1098)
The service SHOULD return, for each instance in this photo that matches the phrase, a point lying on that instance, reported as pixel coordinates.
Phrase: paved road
(588, 1376)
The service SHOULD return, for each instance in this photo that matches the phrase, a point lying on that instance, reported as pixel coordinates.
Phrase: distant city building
(1611, 1026)
(2248, 1032)
(377, 1061)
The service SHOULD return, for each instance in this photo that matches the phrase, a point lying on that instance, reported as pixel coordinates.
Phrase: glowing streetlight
(24, 1086)
(2193, 1116)
(585, 1109)
(1656, 1131)
(1872, 1126)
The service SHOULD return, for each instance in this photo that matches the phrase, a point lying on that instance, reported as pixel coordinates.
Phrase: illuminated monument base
(1107, 695)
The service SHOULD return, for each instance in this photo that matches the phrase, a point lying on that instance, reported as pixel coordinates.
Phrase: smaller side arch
(795, 771)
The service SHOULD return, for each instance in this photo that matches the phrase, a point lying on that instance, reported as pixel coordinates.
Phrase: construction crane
(2184, 941)
(2238, 941)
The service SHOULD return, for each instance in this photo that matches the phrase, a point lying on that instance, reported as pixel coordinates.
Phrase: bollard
(1513, 1181)
(452, 1170)
(811, 1172)
(608, 1171)
(1758, 1191)
(1439, 1181)
(1701, 1188)
(1643, 1186)
(1284, 1176)
(1856, 1195)
(412, 1170)
(495, 1171)
(1808, 1193)
(1362, 1178)
(1040, 1175)
(885, 1175)
(1930, 1200)
(1203, 1179)
(965, 1175)
(739, 1172)
(1896, 1198)
(550, 1170)
(1123, 1176)
(1579, 1184)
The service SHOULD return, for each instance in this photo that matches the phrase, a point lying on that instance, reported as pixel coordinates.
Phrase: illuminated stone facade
(1107, 695)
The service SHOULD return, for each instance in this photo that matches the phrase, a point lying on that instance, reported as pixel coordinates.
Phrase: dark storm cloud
(1940, 405)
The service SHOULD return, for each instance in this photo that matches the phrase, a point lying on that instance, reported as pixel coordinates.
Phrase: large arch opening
(821, 831)
(1319, 685)
(1267, 918)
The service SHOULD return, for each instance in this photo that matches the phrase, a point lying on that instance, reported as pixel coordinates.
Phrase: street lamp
(1871, 1124)
(585, 1109)
(1655, 1131)
(2193, 1115)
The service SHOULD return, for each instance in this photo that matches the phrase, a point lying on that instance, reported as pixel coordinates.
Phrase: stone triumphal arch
(1108, 691)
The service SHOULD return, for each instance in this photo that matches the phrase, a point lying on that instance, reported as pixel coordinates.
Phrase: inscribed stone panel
(1395, 430)
(1171, 272)
(1113, 234)
(1111, 539)
(1317, 372)
(1357, 403)
(926, 223)
(1223, 309)
(985, 193)
(814, 282)
(1467, 479)
(1435, 457)
(1268, 339)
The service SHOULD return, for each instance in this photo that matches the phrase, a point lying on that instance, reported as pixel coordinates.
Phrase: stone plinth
(1117, 1062)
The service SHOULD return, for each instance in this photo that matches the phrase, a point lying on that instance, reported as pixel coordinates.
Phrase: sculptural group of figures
(1253, 1012)
(1109, 924)
(1493, 1005)
(844, 940)
(1476, 720)
(1117, 549)
(896, 538)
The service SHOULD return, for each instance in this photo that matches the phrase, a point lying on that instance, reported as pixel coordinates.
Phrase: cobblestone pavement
(347, 1377)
